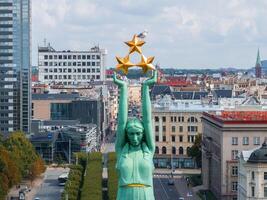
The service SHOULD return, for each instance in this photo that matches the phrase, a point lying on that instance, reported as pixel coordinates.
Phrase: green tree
(195, 150)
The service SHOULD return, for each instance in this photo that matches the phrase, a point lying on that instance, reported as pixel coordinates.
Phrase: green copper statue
(135, 146)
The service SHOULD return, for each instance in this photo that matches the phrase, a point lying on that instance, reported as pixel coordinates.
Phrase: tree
(9, 167)
(36, 169)
(21, 151)
(195, 150)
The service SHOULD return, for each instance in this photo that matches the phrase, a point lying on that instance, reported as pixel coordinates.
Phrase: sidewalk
(34, 186)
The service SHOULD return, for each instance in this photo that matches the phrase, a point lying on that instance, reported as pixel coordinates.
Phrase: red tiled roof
(235, 117)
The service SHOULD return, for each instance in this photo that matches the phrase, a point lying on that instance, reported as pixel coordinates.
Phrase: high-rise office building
(71, 67)
(15, 64)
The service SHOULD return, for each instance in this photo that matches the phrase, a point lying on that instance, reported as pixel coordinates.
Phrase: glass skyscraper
(15, 65)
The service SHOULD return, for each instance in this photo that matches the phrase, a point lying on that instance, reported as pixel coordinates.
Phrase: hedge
(112, 177)
(92, 183)
(72, 186)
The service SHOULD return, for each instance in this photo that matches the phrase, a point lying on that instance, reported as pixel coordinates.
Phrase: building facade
(252, 174)
(176, 124)
(71, 67)
(225, 135)
(15, 65)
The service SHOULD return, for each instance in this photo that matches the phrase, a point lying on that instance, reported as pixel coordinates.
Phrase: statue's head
(135, 131)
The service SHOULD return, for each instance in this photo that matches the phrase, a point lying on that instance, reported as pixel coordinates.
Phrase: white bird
(143, 34)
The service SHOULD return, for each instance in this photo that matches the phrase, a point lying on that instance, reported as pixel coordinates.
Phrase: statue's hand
(152, 79)
(117, 81)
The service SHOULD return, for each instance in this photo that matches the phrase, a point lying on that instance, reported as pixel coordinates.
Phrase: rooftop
(235, 117)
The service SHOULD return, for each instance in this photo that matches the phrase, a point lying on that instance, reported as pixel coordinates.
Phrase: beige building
(176, 124)
(134, 92)
(225, 135)
(41, 104)
(252, 174)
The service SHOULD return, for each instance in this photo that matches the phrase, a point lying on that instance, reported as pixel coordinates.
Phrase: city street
(50, 189)
(163, 191)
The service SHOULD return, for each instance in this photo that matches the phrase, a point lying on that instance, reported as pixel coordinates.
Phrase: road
(163, 191)
(49, 189)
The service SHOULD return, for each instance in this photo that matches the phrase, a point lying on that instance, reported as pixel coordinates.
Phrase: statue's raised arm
(122, 113)
(146, 112)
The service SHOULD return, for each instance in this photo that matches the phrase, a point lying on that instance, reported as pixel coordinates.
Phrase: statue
(135, 144)
(135, 147)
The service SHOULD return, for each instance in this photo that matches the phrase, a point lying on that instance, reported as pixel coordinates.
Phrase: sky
(183, 34)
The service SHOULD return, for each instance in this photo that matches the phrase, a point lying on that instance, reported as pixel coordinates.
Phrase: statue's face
(135, 136)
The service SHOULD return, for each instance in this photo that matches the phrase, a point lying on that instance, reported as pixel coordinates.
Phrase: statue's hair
(134, 123)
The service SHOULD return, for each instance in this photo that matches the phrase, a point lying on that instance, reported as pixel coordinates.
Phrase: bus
(62, 179)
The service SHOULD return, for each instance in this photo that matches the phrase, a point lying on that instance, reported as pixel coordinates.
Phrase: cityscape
(65, 104)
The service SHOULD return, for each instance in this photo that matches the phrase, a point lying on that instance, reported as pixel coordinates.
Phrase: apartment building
(225, 135)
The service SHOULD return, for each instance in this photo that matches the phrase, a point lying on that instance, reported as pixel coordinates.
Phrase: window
(192, 128)
(83, 57)
(180, 119)
(265, 191)
(245, 140)
(164, 150)
(173, 129)
(234, 154)
(45, 57)
(234, 140)
(181, 129)
(173, 150)
(265, 175)
(156, 118)
(156, 128)
(253, 175)
(234, 186)
(252, 191)
(256, 140)
(164, 138)
(163, 128)
(180, 138)
(192, 120)
(173, 138)
(234, 170)
(88, 57)
(171, 119)
(163, 119)
(157, 138)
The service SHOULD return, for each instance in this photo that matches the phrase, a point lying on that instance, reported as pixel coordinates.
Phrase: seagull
(143, 34)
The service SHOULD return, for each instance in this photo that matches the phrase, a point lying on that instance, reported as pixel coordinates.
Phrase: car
(171, 181)
(181, 198)
(37, 198)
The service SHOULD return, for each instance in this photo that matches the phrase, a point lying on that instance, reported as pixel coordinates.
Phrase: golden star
(135, 45)
(146, 63)
(124, 64)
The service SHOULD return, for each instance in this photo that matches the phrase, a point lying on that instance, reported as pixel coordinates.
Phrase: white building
(252, 175)
(71, 67)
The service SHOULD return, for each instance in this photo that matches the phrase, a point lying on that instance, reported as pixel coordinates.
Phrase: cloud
(181, 33)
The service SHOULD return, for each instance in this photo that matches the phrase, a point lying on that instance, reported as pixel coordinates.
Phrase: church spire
(258, 67)
(258, 62)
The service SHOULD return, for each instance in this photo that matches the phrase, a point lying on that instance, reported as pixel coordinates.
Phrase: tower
(258, 66)
(15, 65)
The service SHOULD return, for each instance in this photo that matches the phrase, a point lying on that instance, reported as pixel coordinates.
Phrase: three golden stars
(135, 46)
